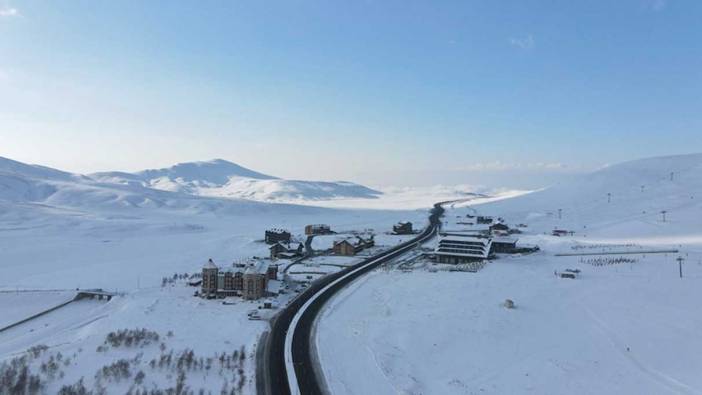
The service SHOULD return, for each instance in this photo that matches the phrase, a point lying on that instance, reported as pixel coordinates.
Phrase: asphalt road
(272, 374)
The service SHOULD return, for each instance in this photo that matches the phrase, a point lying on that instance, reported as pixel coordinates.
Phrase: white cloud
(526, 42)
(8, 12)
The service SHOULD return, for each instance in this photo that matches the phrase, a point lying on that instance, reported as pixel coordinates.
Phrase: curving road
(285, 360)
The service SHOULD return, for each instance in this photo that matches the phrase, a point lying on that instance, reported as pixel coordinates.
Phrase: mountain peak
(215, 171)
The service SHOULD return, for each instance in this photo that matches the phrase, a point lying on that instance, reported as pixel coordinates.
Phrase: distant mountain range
(179, 185)
(220, 178)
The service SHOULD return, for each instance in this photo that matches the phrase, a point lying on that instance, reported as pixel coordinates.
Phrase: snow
(18, 305)
(79, 328)
(430, 332)
(446, 332)
(220, 178)
(64, 231)
(619, 328)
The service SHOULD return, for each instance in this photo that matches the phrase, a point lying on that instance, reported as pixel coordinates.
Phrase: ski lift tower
(680, 260)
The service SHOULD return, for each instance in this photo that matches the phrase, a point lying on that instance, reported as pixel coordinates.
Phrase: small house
(402, 228)
(344, 247)
(350, 247)
(279, 250)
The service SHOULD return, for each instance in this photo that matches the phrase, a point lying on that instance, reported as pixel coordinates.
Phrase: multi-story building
(503, 244)
(249, 280)
(210, 274)
(255, 280)
(461, 248)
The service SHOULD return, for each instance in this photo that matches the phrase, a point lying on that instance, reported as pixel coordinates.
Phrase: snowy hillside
(627, 197)
(220, 178)
(626, 324)
(35, 189)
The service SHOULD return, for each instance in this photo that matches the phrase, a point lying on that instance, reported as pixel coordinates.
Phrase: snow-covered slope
(220, 178)
(31, 192)
(619, 327)
(624, 198)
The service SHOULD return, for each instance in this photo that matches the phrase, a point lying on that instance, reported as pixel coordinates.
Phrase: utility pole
(680, 261)
(663, 213)
(609, 197)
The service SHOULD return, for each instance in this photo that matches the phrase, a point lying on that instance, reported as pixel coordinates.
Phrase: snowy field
(132, 255)
(79, 329)
(60, 231)
(629, 327)
(17, 306)
(617, 329)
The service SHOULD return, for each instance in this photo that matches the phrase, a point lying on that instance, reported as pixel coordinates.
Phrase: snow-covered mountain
(220, 178)
(30, 191)
(624, 198)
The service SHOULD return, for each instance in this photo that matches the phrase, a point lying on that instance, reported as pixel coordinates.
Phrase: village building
(225, 283)
(248, 280)
(272, 272)
(562, 232)
(318, 229)
(503, 245)
(352, 246)
(254, 284)
(210, 274)
(277, 236)
(483, 220)
(402, 228)
(344, 247)
(499, 227)
(462, 248)
(290, 251)
(477, 231)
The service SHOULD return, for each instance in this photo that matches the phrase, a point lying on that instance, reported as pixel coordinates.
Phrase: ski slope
(628, 328)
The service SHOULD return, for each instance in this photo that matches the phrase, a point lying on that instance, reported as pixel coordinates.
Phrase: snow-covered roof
(274, 286)
(504, 239)
(466, 238)
(257, 267)
(210, 265)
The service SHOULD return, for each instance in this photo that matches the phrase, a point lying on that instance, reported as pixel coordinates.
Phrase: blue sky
(510, 93)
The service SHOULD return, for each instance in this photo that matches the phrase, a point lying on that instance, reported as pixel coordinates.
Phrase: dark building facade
(402, 228)
(277, 236)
